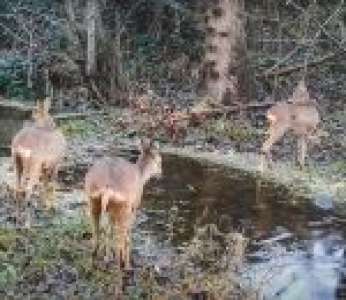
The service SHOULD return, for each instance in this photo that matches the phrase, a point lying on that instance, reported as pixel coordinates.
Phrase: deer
(114, 186)
(37, 151)
(300, 115)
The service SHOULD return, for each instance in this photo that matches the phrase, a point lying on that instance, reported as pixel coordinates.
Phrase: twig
(16, 36)
(290, 69)
(95, 89)
(313, 40)
(322, 26)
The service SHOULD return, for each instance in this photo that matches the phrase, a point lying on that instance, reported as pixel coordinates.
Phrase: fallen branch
(291, 69)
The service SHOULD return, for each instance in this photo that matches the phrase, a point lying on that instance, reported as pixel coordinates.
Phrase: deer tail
(109, 195)
(22, 152)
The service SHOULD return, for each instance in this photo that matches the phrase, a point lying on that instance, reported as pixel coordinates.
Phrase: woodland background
(97, 52)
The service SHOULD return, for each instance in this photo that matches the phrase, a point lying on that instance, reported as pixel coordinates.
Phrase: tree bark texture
(224, 66)
(91, 38)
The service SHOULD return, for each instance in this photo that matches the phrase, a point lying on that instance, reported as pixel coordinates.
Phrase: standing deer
(115, 186)
(37, 149)
(299, 115)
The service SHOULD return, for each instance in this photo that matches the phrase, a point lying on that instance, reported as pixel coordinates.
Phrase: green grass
(231, 130)
(83, 128)
(60, 254)
(27, 256)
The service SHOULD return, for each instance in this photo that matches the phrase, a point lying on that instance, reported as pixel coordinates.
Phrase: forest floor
(236, 144)
(55, 260)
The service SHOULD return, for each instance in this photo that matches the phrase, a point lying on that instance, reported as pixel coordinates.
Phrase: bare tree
(224, 67)
(91, 40)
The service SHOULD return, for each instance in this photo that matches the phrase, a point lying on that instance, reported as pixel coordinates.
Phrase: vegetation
(198, 74)
(164, 44)
(57, 260)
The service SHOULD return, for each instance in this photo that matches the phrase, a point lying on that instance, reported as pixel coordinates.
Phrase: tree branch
(291, 69)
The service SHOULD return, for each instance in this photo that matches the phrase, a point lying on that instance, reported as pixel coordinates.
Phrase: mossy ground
(55, 261)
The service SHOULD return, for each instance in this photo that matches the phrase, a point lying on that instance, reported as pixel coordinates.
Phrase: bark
(224, 67)
(30, 62)
(117, 80)
(91, 39)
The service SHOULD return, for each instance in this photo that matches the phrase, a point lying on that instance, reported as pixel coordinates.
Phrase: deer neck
(143, 170)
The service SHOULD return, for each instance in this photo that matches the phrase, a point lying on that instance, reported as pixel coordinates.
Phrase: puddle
(294, 251)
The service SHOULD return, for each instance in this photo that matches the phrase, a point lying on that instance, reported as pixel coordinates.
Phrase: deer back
(279, 114)
(120, 178)
(304, 118)
(41, 144)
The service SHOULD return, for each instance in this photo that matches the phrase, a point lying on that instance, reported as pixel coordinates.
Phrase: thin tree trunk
(224, 67)
(117, 82)
(91, 40)
(30, 64)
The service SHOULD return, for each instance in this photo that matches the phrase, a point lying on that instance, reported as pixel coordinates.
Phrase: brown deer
(115, 186)
(300, 115)
(37, 149)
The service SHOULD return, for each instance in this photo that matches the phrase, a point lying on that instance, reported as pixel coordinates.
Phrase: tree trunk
(30, 62)
(91, 40)
(117, 82)
(224, 68)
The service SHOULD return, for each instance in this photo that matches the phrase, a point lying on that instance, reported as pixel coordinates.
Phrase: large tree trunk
(224, 68)
(91, 41)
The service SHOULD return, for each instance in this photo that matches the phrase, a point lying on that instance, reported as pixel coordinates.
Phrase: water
(295, 250)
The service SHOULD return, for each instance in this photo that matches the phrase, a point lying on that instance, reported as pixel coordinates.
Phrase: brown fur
(37, 150)
(115, 186)
(300, 116)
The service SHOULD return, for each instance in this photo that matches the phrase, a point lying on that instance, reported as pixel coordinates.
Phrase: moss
(231, 130)
(59, 257)
(82, 128)
(28, 256)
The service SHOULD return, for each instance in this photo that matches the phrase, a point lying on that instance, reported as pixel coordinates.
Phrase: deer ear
(145, 144)
(39, 106)
(155, 145)
(35, 112)
(46, 104)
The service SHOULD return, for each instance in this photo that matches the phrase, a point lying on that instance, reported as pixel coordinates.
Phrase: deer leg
(275, 134)
(32, 179)
(120, 246)
(127, 249)
(28, 204)
(302, 148)
(109, 238)
(95, 213)
(49, 182)
(18, 190)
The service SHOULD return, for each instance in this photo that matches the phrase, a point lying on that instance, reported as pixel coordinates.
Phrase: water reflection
(295, 251)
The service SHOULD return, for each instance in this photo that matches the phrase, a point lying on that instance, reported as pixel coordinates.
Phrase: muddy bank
(322, 181)
(312, 183)
(236, 145)
(203, 195)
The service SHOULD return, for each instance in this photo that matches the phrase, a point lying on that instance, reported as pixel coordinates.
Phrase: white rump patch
(108, 195)
(272, 118)
(24, 152)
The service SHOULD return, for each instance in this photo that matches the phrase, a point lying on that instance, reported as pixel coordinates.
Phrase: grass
(32, 258)
(56, 261)
(232, 130)
(82, 128)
